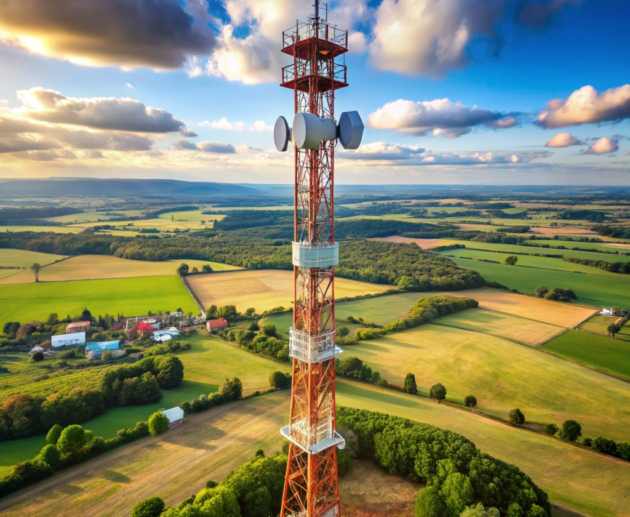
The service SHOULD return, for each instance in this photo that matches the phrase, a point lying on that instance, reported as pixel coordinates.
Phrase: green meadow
(380, 310)
(592, 289)
(129, 296)
(600, 352)
(585, 481)
(22, 258)
(502, 375)
(598, 324)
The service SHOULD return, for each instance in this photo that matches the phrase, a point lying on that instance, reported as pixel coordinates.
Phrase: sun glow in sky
(464, 91)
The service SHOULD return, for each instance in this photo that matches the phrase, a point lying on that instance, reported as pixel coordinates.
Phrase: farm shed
(143, 326)
(216, 325)
(79, 326)
(68, 340)
(174, 415)
(96, 349)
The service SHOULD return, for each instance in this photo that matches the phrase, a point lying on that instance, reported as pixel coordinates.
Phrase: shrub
(604, 446)
(550, 429)
(211, 484)
(38, 356)
(232, 389)
(279, 380)
(480, 511)
(343, 331)
(53, 435)
(438, 392)
(541, 291)
(269, 329)
(623, 449)
(354, 368)
(49, 454)
(571, 430)
(151, 507)
(158, 423)
(383, 383)
(470, 401)
(410, 385)
(71, 440)
(511, 260)
(344, 462)
(516, 417)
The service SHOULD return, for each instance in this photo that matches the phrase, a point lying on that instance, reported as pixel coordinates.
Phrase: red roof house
(143, 326)
(216, 325)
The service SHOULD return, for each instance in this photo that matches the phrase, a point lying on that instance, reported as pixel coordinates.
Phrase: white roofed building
(174, 415)
(68, 340)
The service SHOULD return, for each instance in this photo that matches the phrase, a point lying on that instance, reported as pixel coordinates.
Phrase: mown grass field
(160, 223)
(284, 321)
(602, 353)
(93, 267)
(530, 261)
(502, 375)
(23, 258)
(598, 324)
(129, 296)
(597, 485)
(264, 289)
(41, 229)
(500, 324)
(592, 289)
(173, 465)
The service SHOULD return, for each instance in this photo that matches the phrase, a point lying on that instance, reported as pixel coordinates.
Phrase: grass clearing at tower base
(129, 296)
(502, 375)
(174, 465)
(591, 289)
(93, 267)
(577, 478)
(502, 325)
(264, 289)
(606, 354)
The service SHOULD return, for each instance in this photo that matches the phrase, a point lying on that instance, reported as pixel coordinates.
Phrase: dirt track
(174, 465)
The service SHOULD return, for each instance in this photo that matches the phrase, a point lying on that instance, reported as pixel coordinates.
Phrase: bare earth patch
(367, 491)
(263, 289)
(618, 245)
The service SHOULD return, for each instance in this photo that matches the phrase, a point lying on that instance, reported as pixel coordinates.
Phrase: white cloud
(430, 37)
(357, 43)
(382, 151)
(587, 106)
(4, 101)
(260, 127)
(224, 123)
(129, 85)
(604, 145)
(206, 147)
(563, 140)
(97, 112)
(440, 117)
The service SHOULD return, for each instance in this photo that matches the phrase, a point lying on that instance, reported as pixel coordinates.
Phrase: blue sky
(221, 60)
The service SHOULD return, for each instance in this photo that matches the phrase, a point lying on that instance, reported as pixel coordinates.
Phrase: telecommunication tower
(312, 483)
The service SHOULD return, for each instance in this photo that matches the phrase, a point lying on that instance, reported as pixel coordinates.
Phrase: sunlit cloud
(604, 145)
(563, 140)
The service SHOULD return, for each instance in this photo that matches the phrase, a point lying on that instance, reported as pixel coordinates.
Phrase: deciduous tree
(158, 423)
(410, 385)
(438, 392)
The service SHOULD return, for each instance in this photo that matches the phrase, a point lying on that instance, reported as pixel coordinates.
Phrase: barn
(174, 415)
(216, 325)
(67, 340)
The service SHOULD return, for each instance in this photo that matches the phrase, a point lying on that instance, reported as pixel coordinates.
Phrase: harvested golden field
(425, 244)
(93, 267)
(174, 465)
(501, 324)
(563, 230)
(264, 289)
(556, 313)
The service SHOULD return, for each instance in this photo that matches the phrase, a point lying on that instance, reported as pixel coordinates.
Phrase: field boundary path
(193, 295)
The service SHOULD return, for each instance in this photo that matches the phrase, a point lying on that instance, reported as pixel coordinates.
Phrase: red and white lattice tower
(312, 484)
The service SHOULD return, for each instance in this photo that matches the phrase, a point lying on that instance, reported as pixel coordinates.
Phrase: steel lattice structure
(311, 485)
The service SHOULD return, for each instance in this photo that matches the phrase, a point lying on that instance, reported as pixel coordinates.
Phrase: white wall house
(68, 340)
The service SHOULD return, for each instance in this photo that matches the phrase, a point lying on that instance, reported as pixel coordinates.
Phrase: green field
(555, 264)
(206, 365)
(595, 290)
(22, 258)
(602, 353)
(598, 324)
(380, 310)
(129, 296)
(515, 248)
(521, 330)
(502, 375)
(595, 246)
(580, 479)
(285, 321)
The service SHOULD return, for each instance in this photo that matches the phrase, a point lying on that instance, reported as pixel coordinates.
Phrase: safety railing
(324, 31)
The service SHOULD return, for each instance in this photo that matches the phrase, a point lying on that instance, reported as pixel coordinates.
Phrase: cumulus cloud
(440, 117)
(206, 147)
(224, 123)
(129, 33)
(587, 106)
(429, 37)
(604, 145)
(382, 151)
(99, 112)
(260, 127)
(563, 140)
(538, 14)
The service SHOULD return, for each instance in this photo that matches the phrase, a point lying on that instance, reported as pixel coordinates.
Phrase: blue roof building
(101, 346)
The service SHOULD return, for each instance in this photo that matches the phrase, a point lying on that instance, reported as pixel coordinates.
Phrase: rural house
(143, 326)
(174, 415)
(79, 326)
(216, 325)
(67, 340)
(95, 350)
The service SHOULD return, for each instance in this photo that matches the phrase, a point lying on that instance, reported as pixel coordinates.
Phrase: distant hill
(70, 187)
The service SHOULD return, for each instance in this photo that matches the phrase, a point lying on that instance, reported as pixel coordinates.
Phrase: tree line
(614, 267)
(618, 232)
